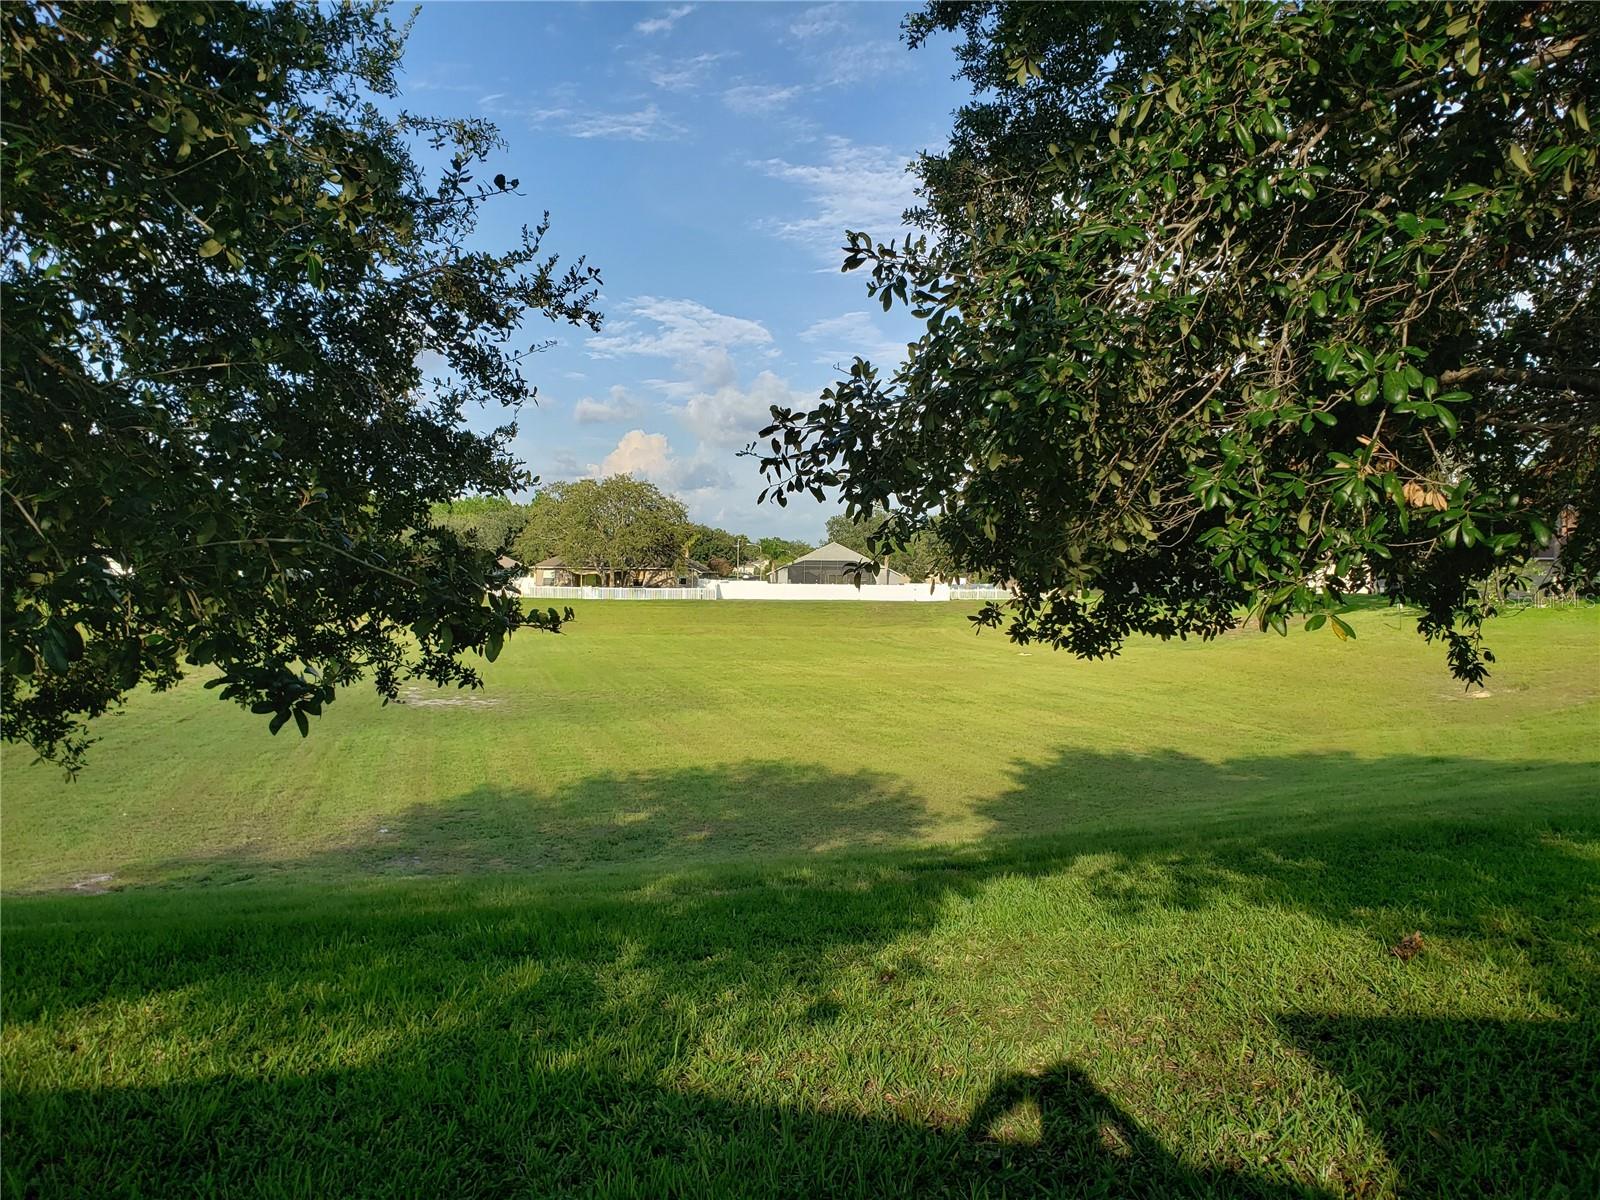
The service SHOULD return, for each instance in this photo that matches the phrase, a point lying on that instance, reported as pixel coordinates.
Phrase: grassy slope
(816, 959)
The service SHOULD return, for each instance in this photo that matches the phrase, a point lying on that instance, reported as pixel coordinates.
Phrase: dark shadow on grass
(637, 819)
(502, 1034)
(1047, 1134)
(1510, 1106)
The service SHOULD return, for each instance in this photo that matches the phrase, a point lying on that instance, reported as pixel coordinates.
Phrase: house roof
(553, 563)
(505, 562)
(832, 552)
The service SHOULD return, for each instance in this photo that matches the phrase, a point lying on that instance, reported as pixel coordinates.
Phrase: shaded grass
(1177, 983)
(659, 734)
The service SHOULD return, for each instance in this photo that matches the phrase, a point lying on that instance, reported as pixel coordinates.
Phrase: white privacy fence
(758, 590)
(745, 589)
(537, 592)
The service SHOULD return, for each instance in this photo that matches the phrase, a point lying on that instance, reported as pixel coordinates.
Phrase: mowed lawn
(827, 899)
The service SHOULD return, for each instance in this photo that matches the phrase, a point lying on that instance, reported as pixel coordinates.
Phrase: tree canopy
(733, 549)
(1240, 307)
(224, 271)
(778, 551)
(620, 524)
(616, 526)
(490, 523)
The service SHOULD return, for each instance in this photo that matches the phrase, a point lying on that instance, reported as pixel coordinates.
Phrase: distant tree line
(617, 526)
(620, 526)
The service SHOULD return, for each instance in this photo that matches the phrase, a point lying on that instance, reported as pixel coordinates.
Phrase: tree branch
(1585, 382)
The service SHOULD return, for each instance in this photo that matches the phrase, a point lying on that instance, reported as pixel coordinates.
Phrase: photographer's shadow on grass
(850, 1024)
(1050, 1133)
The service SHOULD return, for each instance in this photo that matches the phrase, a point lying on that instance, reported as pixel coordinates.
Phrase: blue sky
(707, 157)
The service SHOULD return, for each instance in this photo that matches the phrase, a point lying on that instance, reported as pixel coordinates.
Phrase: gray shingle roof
(832, 552)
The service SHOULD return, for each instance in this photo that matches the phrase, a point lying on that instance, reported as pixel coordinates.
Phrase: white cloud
(665, 22)
(855, 187)
(718, 487)
(838, 51)
(729, 415)
(650, 456)
(647, 124)
(758, 99)
(841, 338)
(852, 61)
(683, 74)
(684, 331)
(620, 407)
(646, 455)
(817, 21)
(433, 84)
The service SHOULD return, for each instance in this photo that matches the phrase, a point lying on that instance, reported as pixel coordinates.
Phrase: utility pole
(738, 553)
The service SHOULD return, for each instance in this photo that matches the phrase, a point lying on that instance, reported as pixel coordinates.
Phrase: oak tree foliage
(1239, 307)
(619, 526)
(243, 327)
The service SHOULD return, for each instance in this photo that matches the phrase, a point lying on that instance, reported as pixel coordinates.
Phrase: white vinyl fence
(537, 592)
(746, 589)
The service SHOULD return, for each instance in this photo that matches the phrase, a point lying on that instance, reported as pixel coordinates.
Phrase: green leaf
(1341, 630)
(1394, 387)
(1519, 158)
(210, 248)
(1542, 532)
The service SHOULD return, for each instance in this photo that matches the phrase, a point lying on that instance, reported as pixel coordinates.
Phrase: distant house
(1566, 521)
(684, 574)
(834, 563)
(1545, 562)
(553, 572)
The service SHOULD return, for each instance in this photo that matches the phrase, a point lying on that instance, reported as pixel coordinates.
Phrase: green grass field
(749, 900)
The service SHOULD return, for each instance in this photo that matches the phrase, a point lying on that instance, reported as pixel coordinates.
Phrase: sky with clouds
(707, 157)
